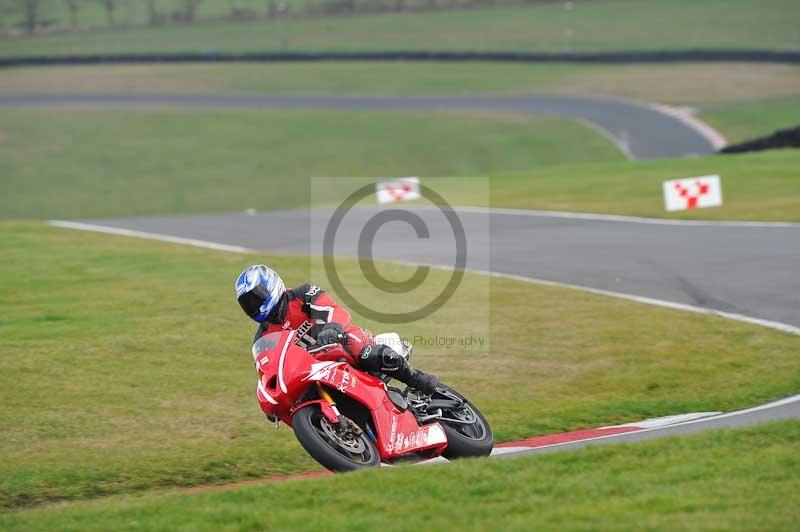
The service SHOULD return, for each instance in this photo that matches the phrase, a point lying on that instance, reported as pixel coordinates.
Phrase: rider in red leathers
(319, 321)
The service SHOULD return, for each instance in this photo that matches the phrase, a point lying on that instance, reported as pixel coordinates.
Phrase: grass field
(610, 25)
(747, 121)
(758, 186)
(105, 162)
(738, 479)
(96, 163)
(125, 364)
(683, 84)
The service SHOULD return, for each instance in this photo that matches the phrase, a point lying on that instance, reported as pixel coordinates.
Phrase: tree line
(31, 16)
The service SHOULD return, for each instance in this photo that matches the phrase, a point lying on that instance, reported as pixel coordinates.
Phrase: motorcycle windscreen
(263, 345)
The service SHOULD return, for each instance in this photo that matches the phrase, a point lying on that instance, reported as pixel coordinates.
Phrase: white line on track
(780, 402)
(767, 406)
(640, 427)
(150, 236)
(617, 217)
(664, 420)
(685, 116)
(620, 142)
(784, 327)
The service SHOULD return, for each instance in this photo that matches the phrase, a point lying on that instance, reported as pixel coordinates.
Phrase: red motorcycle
(348, 419)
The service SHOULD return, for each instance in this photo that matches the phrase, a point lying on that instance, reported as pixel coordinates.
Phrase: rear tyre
(464, 440)
(336, 449)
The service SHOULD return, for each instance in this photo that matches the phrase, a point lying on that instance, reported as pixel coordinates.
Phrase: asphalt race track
(737, 268)
(640, 131)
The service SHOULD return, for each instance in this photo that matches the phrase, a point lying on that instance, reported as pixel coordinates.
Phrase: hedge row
(762, 56)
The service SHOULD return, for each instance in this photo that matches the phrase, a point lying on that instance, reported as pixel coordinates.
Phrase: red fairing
(398, 432)
(287, 370)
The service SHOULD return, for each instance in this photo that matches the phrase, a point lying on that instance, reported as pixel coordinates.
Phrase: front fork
(329, 409)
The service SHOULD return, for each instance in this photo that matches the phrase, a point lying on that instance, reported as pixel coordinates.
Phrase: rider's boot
(384, 359)
(417, 379)
(424, 382)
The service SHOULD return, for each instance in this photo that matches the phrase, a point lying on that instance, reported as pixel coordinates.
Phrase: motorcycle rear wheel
(464, 440)
(328, 446)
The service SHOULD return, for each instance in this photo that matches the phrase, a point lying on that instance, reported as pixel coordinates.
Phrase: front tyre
(336, 448)
(468, 432)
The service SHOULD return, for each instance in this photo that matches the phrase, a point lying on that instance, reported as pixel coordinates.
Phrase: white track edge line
(620, 142)
(773, 404)
(714, 137)
(534, 213)
(617, 217)
(665, 421)
(150, 236)
(784, 327)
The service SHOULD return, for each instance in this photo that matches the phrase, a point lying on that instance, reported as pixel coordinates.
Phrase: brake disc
(349, 441)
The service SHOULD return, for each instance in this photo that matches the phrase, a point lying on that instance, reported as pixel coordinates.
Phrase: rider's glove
(331, 333)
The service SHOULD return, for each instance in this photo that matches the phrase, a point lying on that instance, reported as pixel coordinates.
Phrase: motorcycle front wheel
(336, 448)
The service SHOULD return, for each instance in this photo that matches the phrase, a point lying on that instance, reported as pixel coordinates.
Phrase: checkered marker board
(692, 193)
(400, 189)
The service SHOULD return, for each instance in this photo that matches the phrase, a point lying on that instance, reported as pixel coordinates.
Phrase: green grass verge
(94, 163)
(121, 163)
(758, 186)
(125, 363)
(610, 25)
(750, 120)
(688, 83)
(737, 479)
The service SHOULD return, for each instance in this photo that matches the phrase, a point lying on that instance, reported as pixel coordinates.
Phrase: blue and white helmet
(258, 291)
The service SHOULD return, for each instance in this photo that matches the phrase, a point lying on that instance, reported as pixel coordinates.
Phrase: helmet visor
(251, 302)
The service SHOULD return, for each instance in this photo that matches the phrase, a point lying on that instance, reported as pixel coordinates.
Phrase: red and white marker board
(400, 189)
(692, 193)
